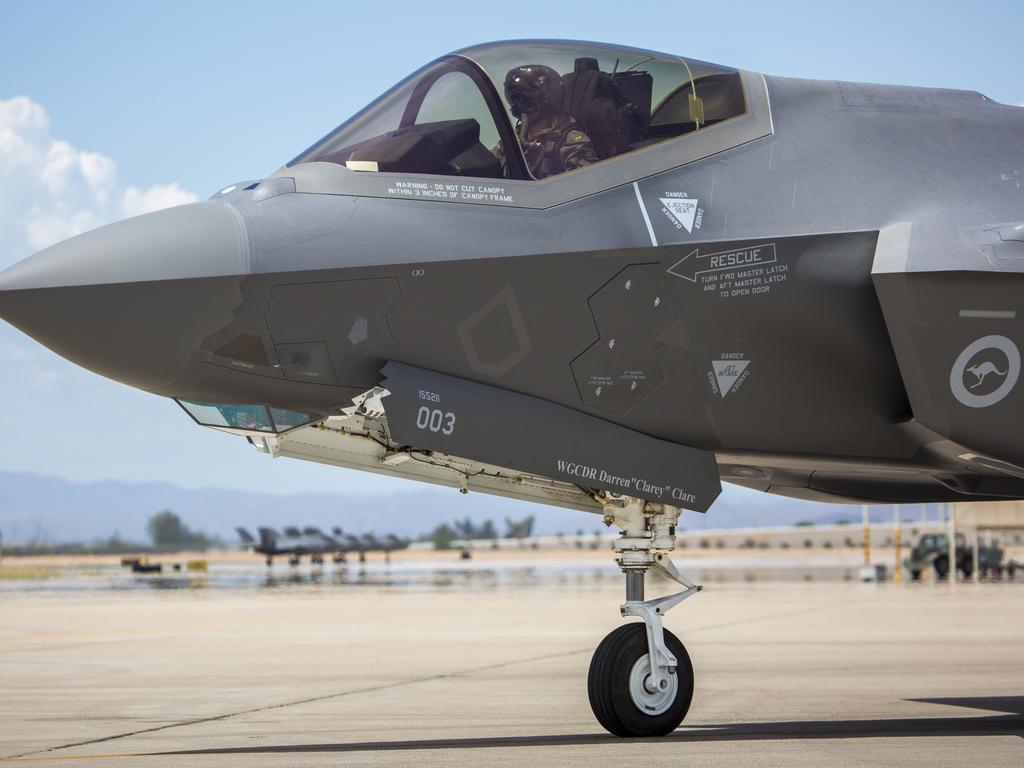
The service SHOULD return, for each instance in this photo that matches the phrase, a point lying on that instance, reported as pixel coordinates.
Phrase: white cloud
(49, 190)
(135, 201)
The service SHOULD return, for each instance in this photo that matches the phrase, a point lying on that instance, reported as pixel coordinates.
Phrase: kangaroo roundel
(985, 372)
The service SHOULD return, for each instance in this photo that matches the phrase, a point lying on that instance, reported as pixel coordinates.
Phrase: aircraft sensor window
(252, 418)
(288, 419)
(530, 110)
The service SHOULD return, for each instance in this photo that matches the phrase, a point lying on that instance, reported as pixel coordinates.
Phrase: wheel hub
(651, 702)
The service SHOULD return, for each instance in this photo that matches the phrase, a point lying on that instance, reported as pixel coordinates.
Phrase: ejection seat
(614, 109)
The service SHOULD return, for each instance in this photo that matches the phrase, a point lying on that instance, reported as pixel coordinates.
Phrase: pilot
(552, 140)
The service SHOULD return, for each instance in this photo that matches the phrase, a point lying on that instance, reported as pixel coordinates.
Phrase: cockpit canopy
(453, 117)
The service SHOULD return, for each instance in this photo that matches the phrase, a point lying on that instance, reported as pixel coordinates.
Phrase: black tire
(941, 566)
(915, 575)
(608, 684)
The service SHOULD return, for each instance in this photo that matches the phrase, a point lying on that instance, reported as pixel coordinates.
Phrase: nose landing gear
(641, 678)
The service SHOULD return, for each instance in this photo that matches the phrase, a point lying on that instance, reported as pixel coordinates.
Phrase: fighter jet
(601, 278)
(293, 543)
(368, 542)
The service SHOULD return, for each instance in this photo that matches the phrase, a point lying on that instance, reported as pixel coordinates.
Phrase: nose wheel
(641, 678)
(623, 694)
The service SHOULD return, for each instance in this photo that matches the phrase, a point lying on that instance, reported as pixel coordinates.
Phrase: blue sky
(151, 103)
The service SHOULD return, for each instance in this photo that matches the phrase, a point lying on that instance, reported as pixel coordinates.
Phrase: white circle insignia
(983, 370)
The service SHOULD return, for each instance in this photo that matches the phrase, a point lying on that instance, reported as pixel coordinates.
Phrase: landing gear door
(436, 412)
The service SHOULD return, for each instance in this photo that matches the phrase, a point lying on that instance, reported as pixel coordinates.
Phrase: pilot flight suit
(558, 148)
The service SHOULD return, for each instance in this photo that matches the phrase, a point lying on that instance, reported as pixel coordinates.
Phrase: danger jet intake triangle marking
(683, 210)
(728, 372)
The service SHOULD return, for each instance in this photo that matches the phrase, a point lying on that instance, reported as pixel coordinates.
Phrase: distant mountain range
(52, 509)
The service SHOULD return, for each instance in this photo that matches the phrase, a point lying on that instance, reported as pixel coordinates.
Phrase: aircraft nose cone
(132, 300)
(196, 240)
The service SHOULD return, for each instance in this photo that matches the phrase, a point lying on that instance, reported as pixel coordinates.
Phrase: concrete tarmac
(794, 674)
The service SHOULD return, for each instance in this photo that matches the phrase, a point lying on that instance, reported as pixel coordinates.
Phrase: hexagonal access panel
(630, 310)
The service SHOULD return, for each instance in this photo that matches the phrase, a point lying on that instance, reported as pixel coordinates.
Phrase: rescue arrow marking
(695, 263)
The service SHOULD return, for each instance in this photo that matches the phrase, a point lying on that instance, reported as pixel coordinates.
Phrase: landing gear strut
(641, 678)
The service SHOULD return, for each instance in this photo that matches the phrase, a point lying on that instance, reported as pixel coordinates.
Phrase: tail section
(268, 539)
(245, 536)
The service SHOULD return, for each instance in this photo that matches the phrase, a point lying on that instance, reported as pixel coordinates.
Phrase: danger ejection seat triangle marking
(683, 210)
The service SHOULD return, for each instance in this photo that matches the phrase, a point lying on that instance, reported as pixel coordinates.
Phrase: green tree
(465, 529)
(170, 534)
(166, 530)
(443, 536)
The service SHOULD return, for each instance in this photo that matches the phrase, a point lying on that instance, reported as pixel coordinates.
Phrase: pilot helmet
(532, 88)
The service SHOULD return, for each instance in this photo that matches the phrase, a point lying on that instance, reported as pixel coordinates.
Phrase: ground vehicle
(932, 551)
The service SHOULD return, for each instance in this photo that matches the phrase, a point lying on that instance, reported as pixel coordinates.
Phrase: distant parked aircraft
(370, 543)
(295, 543)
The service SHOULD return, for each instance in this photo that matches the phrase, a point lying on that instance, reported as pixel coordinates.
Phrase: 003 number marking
(435, 420)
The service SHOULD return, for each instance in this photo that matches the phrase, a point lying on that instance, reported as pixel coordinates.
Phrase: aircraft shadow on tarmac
(1010, 724)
